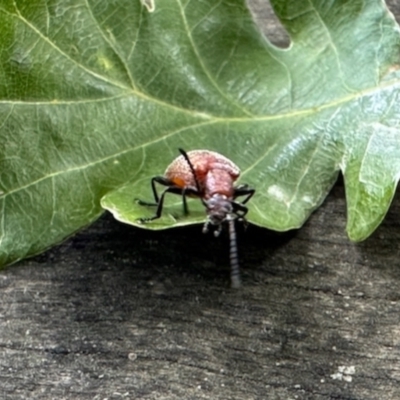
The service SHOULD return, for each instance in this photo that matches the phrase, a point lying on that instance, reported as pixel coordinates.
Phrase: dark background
(121, 313)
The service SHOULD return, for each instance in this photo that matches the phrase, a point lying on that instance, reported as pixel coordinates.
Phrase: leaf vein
(103, 159)
(67, 56)
(203, 66)
(105, 37)
(333, 45)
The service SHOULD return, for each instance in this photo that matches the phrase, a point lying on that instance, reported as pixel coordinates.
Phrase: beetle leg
(244, 190)
(239, 209)
(205, 226)
(184, 201)
(217, 231)
(187, 191)
(162, 181)
(160, 199)
(172, 189)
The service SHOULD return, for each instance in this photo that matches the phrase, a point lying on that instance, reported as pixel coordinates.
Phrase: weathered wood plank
(118, 312)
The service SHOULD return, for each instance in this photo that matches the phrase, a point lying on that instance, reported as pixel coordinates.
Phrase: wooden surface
(121, 313)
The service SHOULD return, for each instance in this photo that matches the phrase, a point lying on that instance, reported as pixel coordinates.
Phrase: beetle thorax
(218, 181)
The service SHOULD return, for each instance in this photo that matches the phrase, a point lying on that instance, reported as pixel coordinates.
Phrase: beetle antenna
(233, 255)
(186, 157)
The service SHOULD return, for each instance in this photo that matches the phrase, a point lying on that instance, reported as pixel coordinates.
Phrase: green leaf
(96, 97)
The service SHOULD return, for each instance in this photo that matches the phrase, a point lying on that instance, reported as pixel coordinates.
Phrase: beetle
(210, 176)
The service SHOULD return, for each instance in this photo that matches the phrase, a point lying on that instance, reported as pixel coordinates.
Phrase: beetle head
(218, 208)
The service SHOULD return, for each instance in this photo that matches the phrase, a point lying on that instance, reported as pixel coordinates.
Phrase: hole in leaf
(268, 22)
(392, 6)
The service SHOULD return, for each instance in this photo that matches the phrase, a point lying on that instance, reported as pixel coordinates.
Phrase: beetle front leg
(244, 190)
(239, 209)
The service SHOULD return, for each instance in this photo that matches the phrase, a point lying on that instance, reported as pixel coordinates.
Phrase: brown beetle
(209, 176)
